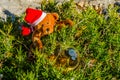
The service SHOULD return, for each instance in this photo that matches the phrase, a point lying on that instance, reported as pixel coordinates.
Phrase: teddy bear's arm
(36, 39)
(64, 22)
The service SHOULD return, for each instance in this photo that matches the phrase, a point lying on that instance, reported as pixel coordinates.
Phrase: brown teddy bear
(42, 24)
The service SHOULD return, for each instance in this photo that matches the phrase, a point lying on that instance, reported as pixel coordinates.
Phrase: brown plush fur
(46, 26)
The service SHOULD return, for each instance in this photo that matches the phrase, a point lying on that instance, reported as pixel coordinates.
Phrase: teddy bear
(41, 24)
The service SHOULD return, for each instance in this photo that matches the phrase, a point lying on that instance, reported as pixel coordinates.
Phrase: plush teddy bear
(42, 24)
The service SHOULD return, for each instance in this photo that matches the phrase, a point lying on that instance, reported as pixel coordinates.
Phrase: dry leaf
(91, 63)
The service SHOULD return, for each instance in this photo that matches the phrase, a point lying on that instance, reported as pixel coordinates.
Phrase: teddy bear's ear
(56, 16)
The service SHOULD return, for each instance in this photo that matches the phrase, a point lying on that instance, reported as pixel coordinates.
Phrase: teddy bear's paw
(69, 22)
(37, 44)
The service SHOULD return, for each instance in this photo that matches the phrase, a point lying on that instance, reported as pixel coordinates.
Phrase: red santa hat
(34, 16)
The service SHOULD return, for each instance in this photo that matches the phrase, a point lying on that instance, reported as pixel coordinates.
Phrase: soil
(17, 7)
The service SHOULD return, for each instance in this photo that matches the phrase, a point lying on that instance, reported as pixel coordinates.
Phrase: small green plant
(97, 40)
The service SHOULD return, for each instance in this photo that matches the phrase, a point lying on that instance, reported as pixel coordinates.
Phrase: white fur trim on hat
(39, 19)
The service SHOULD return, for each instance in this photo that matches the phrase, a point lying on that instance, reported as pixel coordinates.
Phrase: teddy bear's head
(40, 21)
(46, 26)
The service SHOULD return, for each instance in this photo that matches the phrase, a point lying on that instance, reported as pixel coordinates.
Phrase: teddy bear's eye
(47, 22)
(42, 25)
(47, 30)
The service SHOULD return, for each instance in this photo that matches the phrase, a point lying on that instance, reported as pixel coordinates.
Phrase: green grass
(92, 36)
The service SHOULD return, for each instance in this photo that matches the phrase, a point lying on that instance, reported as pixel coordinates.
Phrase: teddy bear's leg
(38, 42)
(64, 22)
(36, 39)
